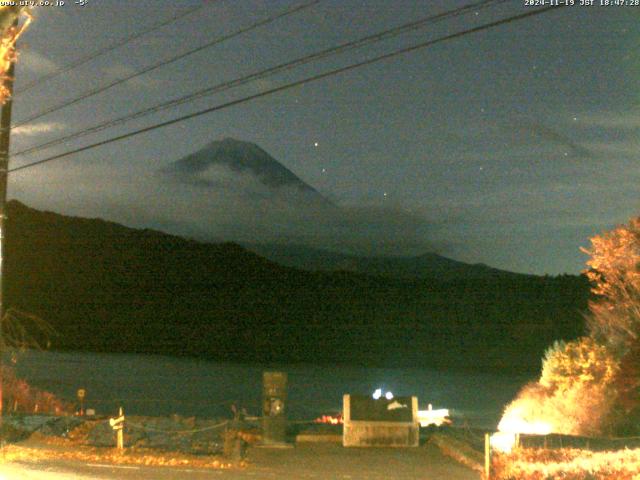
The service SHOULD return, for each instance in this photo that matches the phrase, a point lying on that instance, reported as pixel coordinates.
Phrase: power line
(339, 49)
(120, 43)
(163, 63)
(288, 86)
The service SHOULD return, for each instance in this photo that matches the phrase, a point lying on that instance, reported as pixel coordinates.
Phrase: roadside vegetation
(42, 448)
(566, 464)
(591, 386)
(35, 438)
(20, 397)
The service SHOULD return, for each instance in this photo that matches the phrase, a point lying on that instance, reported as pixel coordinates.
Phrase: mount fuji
(243, 166)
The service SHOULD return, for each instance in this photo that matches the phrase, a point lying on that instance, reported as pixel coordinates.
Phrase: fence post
(118, 425)
(487, 456)
(120, 434)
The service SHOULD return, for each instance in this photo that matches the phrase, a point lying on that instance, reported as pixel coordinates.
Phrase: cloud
(263, 84)
(626, 120)
(119, 71)
(36, 62)
(519, 136)
(613, 149)
(554, 136)
(237, 207)
(37, 128)
(533, 131)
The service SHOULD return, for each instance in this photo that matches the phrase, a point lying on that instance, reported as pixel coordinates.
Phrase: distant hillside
(427, 266)
(106, 287)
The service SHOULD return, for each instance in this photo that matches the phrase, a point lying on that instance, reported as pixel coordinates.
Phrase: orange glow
(330, 419)
(515, 420)
(573, 395)
(525, 464)
(7, 49)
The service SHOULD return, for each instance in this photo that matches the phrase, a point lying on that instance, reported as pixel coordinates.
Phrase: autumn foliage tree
(624, 418)
(579, 363)
(23, 331)
(591, 386)
(579, 377)
(614, 317)
(574, 395)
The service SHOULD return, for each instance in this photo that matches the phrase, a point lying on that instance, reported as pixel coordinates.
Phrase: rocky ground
(174, 434)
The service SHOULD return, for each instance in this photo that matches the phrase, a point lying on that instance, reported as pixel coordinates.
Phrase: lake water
(159, 385)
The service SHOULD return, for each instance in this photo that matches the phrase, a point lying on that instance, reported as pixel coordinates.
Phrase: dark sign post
(274, 399)
(81, 394)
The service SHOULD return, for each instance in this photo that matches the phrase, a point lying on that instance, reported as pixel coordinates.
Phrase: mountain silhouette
(427, 266)
(106, 287)
(242, 158)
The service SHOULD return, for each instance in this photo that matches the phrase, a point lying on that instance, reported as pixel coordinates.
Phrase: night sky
(509, 147)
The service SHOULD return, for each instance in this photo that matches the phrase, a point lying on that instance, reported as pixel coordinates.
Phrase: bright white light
(503, 442)
(377, 394)
(388, 396)
(437, 417)
(515, 421)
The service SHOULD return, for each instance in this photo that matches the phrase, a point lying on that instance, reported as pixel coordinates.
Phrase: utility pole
(5, 135)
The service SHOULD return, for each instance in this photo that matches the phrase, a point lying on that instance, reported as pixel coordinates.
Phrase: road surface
(304, 462)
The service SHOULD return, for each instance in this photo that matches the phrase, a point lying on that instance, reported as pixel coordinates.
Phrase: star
(385, 194)
(315, 144)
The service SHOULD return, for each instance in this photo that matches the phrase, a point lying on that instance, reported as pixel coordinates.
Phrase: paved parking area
(305, 461)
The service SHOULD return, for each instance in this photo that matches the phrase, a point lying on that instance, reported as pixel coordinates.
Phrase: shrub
(19, 396)
(574, 395)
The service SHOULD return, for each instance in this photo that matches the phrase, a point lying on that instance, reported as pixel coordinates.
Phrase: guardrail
(475, 449)
(557, 441)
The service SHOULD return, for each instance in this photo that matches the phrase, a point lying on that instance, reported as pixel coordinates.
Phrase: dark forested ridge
(106, 287)
(427, 266)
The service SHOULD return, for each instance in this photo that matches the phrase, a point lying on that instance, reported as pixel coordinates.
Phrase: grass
(541, 463)
(41, 448)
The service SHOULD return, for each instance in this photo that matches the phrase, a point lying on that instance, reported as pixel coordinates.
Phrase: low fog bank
(228, 205)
